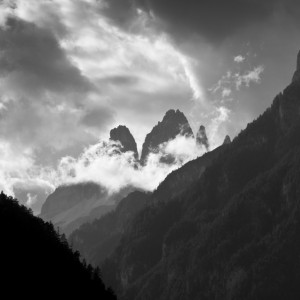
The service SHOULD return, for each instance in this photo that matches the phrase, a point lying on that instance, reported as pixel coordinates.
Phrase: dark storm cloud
(213, 20)
(121, 11)
(97, 117)
(33, 57)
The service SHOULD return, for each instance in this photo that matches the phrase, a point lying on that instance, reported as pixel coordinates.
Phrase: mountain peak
(227, 140)
(123, 135)
(174, 123)
(296, 76)
(172, 113)
(202, 139)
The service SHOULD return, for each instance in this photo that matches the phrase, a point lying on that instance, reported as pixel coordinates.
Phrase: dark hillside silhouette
(37, 262)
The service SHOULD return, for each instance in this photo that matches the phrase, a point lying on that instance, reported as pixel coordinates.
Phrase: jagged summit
(227, 140)
(202, 139)
(296, 76)
(173, 124)
(177, 119)
(124, 136)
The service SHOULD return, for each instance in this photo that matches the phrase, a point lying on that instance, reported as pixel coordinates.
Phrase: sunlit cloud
(239, 59)
(101, 163)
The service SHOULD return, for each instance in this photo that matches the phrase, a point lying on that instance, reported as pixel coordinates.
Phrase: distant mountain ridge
(69, 206)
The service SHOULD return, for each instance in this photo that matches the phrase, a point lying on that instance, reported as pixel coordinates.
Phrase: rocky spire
(227, 140)
(201, 138)
(173, 124)
(123, 135)
(296, 76)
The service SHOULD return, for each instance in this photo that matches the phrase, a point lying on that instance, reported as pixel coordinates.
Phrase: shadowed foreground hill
(36, 261)
(232, 231)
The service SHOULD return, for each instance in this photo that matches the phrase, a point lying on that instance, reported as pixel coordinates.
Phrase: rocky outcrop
(173, 124)
(227, 140)
(201, 138)
(123, 135)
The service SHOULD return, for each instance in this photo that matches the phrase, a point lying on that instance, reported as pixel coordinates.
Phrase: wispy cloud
(236, 80)
(252, 76)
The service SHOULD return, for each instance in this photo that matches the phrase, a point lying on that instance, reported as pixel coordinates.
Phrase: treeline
(35, 260)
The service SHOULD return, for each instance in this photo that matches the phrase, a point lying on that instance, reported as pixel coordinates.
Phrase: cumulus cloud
(102, 163)
(239, 59)
(18, 172)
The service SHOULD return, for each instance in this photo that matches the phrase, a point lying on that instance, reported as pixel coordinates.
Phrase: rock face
(124, 136)
(201, 138)
(173, 124)
(296, 76)
(227, 140)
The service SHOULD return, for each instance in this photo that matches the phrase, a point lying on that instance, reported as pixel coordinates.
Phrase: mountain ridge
(222, 235)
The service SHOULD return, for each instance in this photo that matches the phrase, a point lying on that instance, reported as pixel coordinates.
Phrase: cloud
(18, 172)
(32, 62)
(71, 70)
(67, 54)
(217, 129)
(248, 77)
(235, 80)
(97, 117)
(43, 94)
(100, 163)
(214, 21)
(239, 59)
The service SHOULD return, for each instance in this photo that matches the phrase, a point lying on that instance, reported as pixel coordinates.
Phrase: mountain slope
(232, 232)
(34, 257)
(70, 206)
(98, 239)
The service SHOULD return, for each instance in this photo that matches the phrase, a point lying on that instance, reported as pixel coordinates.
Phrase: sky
(71, 70)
